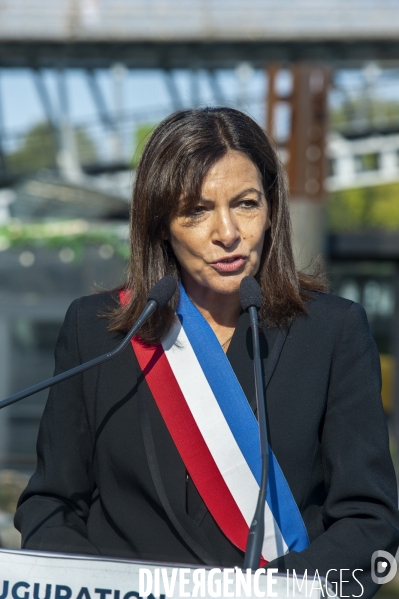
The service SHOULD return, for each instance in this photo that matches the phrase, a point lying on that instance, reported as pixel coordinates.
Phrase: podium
(42, 575)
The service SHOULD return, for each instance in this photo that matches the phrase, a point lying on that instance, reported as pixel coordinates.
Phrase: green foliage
(364, 208)
(86, 148)
(141, 137)
(73, 234)
(373, 111)
(39, 149)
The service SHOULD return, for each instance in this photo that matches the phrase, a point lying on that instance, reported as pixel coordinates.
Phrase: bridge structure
(182, 33)
(204, 35)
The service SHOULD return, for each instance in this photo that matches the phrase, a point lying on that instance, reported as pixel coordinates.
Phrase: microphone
(251, 300)
(158, 297)
(250, 295)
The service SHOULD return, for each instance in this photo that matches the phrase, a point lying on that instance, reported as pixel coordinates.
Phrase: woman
(117, 460)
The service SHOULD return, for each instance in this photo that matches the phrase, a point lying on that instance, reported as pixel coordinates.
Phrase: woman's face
(221, 240)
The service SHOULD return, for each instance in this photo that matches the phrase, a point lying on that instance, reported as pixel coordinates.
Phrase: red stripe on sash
(189, 441)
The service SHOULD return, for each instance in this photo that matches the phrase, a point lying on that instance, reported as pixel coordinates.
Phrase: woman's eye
(198, 210)
(249, 203)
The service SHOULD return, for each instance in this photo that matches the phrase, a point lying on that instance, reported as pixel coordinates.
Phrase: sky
(136, 96)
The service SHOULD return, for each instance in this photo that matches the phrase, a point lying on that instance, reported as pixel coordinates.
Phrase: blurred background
(82, 85)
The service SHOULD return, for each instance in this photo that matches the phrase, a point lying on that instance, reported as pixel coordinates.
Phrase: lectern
(40, 575)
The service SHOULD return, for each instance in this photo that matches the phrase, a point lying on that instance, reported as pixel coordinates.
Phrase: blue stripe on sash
(242, 421)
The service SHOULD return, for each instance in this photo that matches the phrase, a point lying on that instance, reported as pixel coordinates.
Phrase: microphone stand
(253, 550)
(150, 308)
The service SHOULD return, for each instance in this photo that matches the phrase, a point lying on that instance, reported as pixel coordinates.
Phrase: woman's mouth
(229, 264)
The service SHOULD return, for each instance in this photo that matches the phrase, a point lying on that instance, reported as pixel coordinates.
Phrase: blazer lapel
(240, 355)
(168, 474)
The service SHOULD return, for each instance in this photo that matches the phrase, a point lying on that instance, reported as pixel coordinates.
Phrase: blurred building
(48, 264)
(363, 159)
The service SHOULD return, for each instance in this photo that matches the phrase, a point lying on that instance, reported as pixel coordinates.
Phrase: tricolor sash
(216, 432)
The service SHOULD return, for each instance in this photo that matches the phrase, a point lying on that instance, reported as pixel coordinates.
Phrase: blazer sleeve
(53, 510)
(360, 513)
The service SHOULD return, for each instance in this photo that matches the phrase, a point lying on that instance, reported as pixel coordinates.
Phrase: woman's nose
(225, 230)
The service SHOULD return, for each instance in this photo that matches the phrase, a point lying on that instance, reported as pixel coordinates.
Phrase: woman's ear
(165, 234)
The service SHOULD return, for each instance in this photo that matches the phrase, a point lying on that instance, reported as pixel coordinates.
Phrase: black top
(110, 481)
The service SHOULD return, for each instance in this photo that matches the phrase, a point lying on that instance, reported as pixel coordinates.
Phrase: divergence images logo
(379, 567)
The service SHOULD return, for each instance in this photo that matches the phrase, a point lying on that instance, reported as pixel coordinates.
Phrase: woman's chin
(227, 285)
(222, 283)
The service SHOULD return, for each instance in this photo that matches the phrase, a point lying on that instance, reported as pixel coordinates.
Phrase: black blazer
(110, 481)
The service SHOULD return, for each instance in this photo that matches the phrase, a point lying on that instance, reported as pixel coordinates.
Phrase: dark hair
(174, 162)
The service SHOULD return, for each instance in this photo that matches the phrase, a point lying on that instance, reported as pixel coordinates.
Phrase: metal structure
(302, 148)
(195, 34)
(180, 33)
